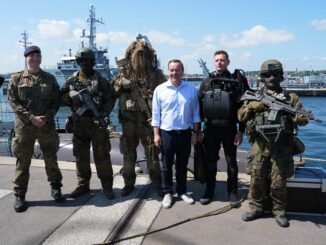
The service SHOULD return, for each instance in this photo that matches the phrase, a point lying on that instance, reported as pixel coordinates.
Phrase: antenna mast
(92, 30)
(25, 42)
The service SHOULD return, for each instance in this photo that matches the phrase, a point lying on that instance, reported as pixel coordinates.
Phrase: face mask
(271, 81)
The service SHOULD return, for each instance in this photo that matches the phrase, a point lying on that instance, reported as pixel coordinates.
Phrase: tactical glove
(300, 120)
(76, 98)
(256, 106)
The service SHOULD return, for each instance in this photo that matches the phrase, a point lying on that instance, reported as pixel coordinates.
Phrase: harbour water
(313, 135)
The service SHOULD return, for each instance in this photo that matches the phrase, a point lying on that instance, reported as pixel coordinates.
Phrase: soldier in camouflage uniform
(86, 128)
(34, 97)
(134, 86)
(270, 161)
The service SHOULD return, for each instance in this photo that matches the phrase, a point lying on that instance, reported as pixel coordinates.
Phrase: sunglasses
(270, 73)
(83, 60)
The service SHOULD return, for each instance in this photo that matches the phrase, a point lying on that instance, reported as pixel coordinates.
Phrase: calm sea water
(313, 134)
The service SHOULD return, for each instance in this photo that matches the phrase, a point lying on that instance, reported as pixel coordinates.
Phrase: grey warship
(68, 65)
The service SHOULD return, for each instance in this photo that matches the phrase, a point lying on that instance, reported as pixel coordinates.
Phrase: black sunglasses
(270, 73)
(82, 60)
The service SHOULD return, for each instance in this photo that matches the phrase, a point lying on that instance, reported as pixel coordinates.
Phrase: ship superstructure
(68, 65)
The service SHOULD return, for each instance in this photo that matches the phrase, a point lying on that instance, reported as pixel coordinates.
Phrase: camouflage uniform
(270, 163)
(87, 131)
(136, 126)
(34, 95)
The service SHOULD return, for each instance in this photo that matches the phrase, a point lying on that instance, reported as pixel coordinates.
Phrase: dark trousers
(213, 138)
(176, 145)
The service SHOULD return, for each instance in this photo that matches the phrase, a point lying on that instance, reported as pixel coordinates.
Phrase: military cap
(32, 49)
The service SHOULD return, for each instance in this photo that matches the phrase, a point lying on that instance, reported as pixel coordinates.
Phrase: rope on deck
(214, 212)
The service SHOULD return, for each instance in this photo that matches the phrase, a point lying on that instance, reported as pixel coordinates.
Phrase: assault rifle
(276, 104)
(137, 96)
(88, 104)
(135, 91)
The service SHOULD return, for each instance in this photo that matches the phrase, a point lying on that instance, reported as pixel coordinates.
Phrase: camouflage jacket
(99, 88)
(146, 88)
(31, 96)
(253, 119)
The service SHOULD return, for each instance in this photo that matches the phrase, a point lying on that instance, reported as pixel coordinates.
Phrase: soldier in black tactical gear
(91, 100)
(271, 134)
(219, 96)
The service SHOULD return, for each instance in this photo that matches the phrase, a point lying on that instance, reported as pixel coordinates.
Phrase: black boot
(126, 190)
(249, 216)
(209, 193)
(57, 195)
(108, 192)
(282, 220)
(80, 190)
(234, 201)
(20, 204)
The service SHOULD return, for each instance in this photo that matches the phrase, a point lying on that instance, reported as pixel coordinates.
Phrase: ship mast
(92, 30)
(25, 42)
(202, 64)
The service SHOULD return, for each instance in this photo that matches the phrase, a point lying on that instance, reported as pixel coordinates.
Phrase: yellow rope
(214, 212)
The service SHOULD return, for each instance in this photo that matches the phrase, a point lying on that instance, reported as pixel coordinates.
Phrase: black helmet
(85, 53)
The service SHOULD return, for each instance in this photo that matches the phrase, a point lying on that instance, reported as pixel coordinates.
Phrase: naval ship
(68, 64)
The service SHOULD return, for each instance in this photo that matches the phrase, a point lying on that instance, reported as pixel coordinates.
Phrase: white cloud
(319, 25)
(117, 37)
(305, 58)
(164, 38)
(54, 29)
(257, 35)
(323, 58)
(245, 56)
(260, 35)
(203, 50)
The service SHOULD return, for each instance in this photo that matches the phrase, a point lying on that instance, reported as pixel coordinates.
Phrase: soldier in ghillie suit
(271, 134)
(34, 97)
(138, 77)
(91, 100)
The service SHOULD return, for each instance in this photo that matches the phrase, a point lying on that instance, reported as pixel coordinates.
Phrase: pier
(92, 219)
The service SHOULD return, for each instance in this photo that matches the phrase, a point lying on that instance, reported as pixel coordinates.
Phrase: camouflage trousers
(23, 149)
(266, 177)
(86, 132)
(133, 131)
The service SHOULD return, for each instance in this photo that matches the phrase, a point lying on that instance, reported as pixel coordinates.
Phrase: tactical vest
(92, 86)
(219, 102)
(272, 131)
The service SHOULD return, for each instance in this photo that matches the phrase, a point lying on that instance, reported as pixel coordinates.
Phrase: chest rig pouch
(217, 102)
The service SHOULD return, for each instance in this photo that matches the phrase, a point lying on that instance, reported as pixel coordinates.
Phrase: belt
(179, 131)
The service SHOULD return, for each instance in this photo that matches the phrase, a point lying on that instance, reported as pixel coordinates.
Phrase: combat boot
(234, 202)
(57, 195)
(207, 197)
(126, 190)
(108, 192)
(282, 221)
(20, 204)
(80, 190)
(249, 216)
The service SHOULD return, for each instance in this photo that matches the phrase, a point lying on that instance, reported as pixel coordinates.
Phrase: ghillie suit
(135, 84)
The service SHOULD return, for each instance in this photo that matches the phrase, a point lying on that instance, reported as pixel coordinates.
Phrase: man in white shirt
(175, 112)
